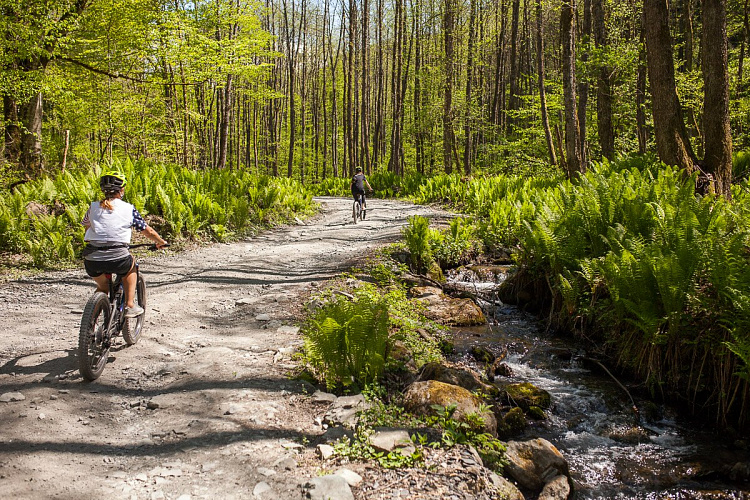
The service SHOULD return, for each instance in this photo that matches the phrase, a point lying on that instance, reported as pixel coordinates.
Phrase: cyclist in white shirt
(108, 226)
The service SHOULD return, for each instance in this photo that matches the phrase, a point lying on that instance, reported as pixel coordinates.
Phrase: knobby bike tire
(131, 328)
(354, 212)
(93, 342)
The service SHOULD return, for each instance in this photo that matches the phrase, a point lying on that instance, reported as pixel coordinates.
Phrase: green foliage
(208, 204)
(469, 431)
(417, 237)
(346, 340)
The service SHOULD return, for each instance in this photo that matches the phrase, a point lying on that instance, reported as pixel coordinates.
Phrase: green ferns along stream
(629, 256)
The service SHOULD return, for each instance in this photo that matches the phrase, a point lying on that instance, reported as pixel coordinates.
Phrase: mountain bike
(104, 318)
(359, 209)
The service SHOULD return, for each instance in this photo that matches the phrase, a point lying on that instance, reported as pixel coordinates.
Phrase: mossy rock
(483, 355)
(525, 395)
(436, 273)
(513, 423)
(456, 375)
(420, 397)
(536, 413)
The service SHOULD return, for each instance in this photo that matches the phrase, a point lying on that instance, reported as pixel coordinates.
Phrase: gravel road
(202, 406)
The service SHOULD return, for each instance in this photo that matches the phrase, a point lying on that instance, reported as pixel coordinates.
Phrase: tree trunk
(224, 126)
(745, 41)
(573, 160)
(640, 93)
(604, 87)
(542, 92)
(31, 137)
(449, 36)
(469, 81)
(12, 130)
(718, 159)
(672, 142)
(514, 100)
(583, 85)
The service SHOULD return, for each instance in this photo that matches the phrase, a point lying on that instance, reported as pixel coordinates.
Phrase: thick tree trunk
(542, 91)
(573, 160)
(718, 159)
(672, 142)
(604, 87)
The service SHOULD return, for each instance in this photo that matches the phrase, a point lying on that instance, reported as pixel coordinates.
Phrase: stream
(592, 422)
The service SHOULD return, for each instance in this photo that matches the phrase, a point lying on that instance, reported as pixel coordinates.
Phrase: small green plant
(346, 340)
(417, 238)
(469, 431)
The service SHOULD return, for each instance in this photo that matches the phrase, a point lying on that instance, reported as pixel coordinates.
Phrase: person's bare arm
(154, 236)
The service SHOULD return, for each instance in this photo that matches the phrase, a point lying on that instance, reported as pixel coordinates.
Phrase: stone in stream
(447, 310)
(419, 398)
(512, 424)
(534, 463)
(483, 355)
(455, 375)
(526, 395)
(556, 489)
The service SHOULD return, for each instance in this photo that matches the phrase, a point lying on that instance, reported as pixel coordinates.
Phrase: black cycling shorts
(96, 268)
(356, 193)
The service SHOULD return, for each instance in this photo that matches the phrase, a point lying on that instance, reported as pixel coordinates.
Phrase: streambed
(612, 454)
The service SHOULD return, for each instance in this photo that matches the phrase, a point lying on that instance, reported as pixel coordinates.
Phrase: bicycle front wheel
(93, 338)
(131, 329)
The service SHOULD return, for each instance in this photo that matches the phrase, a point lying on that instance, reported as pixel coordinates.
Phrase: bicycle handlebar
(151, 246)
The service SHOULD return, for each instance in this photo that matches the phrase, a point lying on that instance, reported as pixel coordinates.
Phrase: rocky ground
(202, 406)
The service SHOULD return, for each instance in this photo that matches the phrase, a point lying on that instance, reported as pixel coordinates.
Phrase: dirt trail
(202, 406)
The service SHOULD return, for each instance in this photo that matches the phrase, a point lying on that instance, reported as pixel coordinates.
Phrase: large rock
(447, 310)
(525, 395)
(455, 375)
(420, 396)
(534, 463)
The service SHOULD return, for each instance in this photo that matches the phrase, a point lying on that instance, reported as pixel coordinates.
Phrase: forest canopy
(319, 87)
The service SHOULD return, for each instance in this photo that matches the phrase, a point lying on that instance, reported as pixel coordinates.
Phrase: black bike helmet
(112, 181)
(358, 170)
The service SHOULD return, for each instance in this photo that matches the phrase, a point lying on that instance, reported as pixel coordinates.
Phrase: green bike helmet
(112, 181)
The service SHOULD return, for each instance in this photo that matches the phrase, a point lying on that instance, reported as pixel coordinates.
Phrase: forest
(308, 89)
(605, 141)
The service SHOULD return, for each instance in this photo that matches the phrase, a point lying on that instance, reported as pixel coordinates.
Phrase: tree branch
(125, 77)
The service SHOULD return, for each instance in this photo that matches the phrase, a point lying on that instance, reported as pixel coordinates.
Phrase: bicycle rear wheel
(93, 338)
(131, 329)
(355, 211)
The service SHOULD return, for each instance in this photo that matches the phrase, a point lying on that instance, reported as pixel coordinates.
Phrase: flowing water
(611, 453)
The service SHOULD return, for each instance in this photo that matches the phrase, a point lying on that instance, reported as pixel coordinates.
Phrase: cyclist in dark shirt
(358, 186)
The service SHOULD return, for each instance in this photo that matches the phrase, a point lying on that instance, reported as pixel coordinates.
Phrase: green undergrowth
(440, 430)
(355, 331)
(41, 219)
